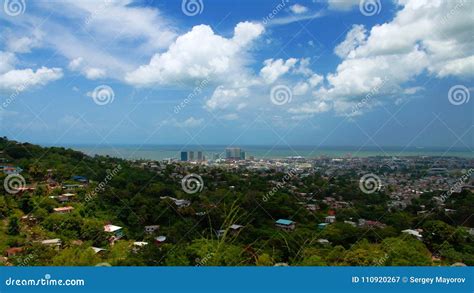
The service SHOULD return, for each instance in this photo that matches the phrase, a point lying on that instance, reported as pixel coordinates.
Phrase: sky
(244, 72)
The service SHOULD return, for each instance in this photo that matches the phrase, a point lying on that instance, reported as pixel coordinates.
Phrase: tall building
(242, 155)
(191, 155)
(184, 156)
(233, 153)
(200, 157)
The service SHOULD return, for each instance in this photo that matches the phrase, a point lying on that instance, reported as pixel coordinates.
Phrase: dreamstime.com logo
(370, 7)
(192, 183)
(458, 95)
(192, 7)
(370, 183)
(14, 7)
(45, 281)
(280, 95)
(103, 95)
(13, 183)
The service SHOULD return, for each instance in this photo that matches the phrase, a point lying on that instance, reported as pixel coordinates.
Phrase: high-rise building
(191, 155)
(242, 155)
(184, 156)
(200, 157)
(233, 153)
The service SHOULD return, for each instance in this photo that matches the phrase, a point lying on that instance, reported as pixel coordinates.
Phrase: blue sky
(356, 73)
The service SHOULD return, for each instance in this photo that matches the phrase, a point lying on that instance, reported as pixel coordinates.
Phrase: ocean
(161, 152)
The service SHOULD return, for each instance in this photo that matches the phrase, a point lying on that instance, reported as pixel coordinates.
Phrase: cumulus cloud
(215, 58)
(79, 65)
(273, 69)
(223, 97)
(433, 38)
(20, 79)
(12, 79)
(102, 33)
(354, 38)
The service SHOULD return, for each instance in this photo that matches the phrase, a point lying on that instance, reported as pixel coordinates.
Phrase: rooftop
(284, 222)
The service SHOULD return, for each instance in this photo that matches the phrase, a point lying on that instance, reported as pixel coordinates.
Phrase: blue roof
(284, 222)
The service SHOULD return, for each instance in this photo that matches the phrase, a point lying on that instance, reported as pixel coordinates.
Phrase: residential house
(52, 242)
(98, 250)
(220, 233)
(138, 245)
(234, 229)
(116, 232)
(151, 229)
(180, 203)
(323, 241)
(322, 225)
(11, 170)
(415, 233)
(10, 252)
(66, 197)
(63, 210)
(287, 225)
(160, 239)
(330, 219)
(81, 179)
(370, 224)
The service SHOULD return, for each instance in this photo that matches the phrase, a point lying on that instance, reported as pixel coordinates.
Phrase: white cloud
(7, 61)
(354, 38)
(191, 122)
(21, 79)
(434, 38)
(79, 65)
(273, 69)
(298, 9)
(342, 5)
(199, 54)
(23, 44)
(223, 97)
(110, 36)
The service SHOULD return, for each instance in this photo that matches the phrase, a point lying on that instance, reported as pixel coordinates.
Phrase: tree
(264, 260)
(13, 226)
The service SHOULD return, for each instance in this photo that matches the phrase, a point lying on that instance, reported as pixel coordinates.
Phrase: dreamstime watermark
(100, 9)
(13, 183)
(375, 90)
(197, 90)
(203, 261)
(370, 183)
(457, 187)
(370, 7)
(101, 186)
(458, 95)
(381, 261)
(453, 11)
(18, 90)
(103, 95)
(26, 261)
(279, 7)
(288, 176)
(280, 95)
(192, 183)
(45, 281)
(14, 7)
(192, 7)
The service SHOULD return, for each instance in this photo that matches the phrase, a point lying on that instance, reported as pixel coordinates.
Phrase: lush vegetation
(131, 199)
